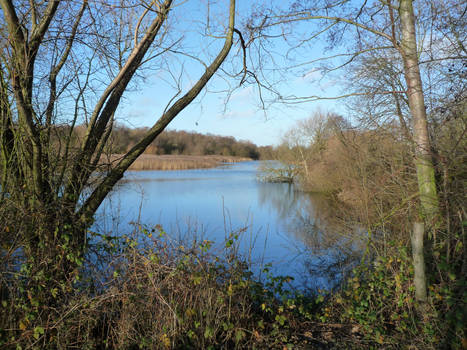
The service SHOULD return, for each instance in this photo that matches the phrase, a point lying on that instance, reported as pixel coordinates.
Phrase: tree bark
(419, 262)
(423, 158)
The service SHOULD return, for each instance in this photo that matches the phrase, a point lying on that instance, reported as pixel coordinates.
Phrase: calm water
(277, 221)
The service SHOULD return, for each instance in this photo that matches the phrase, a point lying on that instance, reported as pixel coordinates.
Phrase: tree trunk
(423, 158)
(419, 262)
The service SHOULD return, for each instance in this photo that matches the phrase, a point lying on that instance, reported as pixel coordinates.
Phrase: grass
(177, 162)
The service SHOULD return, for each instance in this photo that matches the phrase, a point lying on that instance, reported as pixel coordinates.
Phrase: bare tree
(372, 31)
(64, 64)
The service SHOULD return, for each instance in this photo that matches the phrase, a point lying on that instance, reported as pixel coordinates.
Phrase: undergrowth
(152, 293)
(379, 300)
(145, 291)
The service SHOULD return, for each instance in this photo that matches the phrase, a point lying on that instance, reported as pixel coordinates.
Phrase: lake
(277, 222)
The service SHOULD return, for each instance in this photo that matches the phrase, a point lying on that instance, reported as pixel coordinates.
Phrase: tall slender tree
(355, 31)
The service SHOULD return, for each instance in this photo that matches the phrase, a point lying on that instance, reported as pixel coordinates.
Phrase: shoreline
(176, 162)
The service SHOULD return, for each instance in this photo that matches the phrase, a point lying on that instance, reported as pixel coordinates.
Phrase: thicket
(368, 175)
(147, 291)
(395, 173)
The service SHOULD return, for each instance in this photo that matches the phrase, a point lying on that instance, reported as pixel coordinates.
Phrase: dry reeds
(176, 162)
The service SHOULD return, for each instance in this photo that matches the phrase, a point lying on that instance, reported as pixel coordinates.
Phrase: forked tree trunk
(54, 229)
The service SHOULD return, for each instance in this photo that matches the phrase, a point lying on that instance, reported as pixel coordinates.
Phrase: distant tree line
(185, 143)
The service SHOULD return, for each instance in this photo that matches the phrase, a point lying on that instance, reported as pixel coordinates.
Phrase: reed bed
(176, 162)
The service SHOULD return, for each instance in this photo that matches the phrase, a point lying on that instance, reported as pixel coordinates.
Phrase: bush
(379, 299)
(134, 292)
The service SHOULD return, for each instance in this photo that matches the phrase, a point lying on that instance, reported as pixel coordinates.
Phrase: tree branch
(108, 103)
(39, 30)
(95, 199)
(306, 16)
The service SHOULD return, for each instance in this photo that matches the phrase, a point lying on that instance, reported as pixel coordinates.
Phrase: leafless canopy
(65, 66)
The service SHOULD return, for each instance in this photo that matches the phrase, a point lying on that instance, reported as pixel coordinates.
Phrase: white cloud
(237, 113)
(311, 76)
(243, 93)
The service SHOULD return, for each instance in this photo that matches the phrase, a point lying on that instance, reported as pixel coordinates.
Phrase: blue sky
(242, 117)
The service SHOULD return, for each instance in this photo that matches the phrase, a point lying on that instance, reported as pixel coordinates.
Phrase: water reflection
(281, 225)
(282, 197)
(330, 248)
(325, 248)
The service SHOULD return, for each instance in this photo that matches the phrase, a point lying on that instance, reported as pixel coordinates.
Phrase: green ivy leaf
(38, 331)
(208, 333)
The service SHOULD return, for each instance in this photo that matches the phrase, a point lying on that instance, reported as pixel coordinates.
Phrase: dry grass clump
(151, 293)
(176, 162)
(172, 297)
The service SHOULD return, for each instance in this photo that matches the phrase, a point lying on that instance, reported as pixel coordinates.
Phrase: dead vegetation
(175, 162)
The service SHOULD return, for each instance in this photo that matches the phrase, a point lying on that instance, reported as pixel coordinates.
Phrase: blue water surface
(275, 219)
